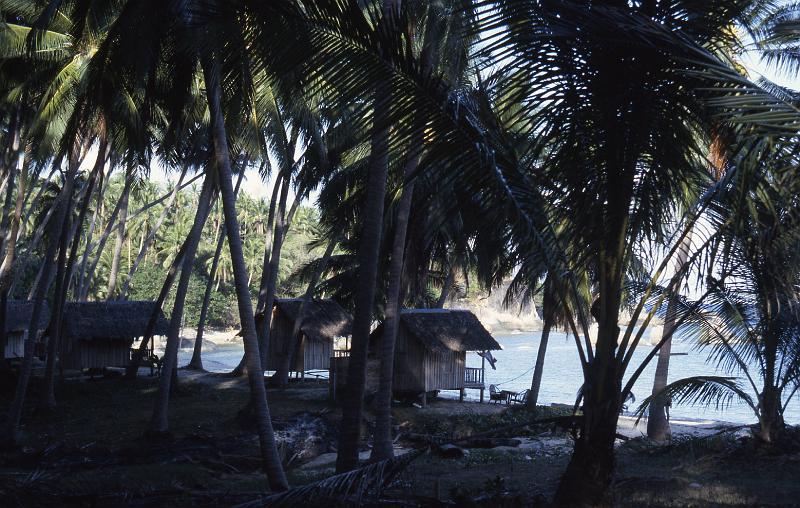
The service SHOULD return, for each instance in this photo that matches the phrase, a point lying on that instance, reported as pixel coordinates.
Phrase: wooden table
(508, 394)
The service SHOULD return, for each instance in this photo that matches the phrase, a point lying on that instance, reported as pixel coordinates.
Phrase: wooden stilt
(461, 395)
(481, 394)
(424, 399)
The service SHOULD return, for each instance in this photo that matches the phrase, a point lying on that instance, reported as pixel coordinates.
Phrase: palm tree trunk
(63, 278)
(196, 362)
(770, 421)
(368, 260)
(447, 285)
(34, 203)
(11, 246)
(101, 244)
(136, 358)
(17, 405)
(159, 424)
(123, 215)
(272, 273)
(49, 399)
(10, 177)
(147, 242)
(657, 422)
(269, 451)
(81, 290)
(538, 370)
(590, 471)
(383, 448)
(11, 243)
(262, 291)
(281, 376)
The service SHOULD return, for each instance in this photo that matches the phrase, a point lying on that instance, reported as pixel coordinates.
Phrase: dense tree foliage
(577, 149)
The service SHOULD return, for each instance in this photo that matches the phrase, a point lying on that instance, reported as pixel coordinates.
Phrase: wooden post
(332, 381)
(483, 375)
(424, 399)
(461, 395)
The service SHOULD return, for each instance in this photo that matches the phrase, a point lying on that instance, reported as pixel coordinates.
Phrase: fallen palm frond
(352, 488)
(366, 484)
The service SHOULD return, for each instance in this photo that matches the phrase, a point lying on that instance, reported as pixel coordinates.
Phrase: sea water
(562, 373)
(562, 376)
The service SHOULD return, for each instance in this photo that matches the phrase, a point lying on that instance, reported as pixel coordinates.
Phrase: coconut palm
(616, 157)
(157, 60)
(196, 361)
(748, 322)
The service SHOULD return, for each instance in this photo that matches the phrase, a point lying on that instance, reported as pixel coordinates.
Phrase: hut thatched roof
(324, 319)
(110, 320)
(18, 315)
(448, 330)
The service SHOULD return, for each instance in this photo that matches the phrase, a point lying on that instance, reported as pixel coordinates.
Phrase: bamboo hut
(100, 334)
(18, 319)
(324, 322)
(431, 350)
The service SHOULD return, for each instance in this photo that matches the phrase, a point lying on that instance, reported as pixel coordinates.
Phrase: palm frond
(704, 390)
(354, 487)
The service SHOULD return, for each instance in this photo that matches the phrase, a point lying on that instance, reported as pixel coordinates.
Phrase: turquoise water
(562, 375)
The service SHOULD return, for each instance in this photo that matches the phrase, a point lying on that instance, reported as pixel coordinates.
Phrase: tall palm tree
(159, 423)
(269, 451)
(617, 157)
(436, 26)
(196, 362)
(749, 319)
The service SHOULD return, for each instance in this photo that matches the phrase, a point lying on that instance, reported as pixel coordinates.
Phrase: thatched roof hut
(100, 334)
(110, 320)
(431, 347)
(323, 321)
(18, 319)
(18, 316)
(444, 330)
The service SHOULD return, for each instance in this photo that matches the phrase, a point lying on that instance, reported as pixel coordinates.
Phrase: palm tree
(58, 230)
(434, 33)
(617, 158)
(196, 361)
(658, 428)
(120, 230)
(749, 318)
(269, 451)
(159, 423)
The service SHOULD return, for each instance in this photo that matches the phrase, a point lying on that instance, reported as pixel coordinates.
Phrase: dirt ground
(91, 452)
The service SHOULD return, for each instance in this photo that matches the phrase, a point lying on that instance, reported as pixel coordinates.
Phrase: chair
(521, 397)
(495, 395)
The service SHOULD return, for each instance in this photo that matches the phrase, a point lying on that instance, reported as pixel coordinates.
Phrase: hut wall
(15, 345)
(444, 371)
(279, 333)
(317, 353)
(87, 354)
(409, 364)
